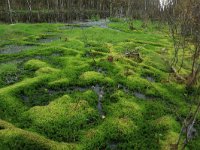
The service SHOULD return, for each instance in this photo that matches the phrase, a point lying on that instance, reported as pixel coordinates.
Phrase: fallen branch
(178, 76)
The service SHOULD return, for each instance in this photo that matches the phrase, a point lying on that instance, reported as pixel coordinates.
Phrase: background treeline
(183, 19)
(67, 10)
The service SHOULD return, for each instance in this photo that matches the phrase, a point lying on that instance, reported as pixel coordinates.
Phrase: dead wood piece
(178, 76)
(134, 55)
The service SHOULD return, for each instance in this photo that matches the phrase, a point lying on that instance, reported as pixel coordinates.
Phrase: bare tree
(10, 10)
(184, 22)
(62, 10)
(30, 8)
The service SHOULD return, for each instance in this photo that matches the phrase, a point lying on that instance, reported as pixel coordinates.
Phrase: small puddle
(86, 24)
(48, 40)
(11, 49)
(126, 90)
(191, 132)
(49, 94)
(17, 61)
(112, 146)
(40, 57)
(10, 79)
(73, 26)
(140, 95)
(136, 94)
(76, 88)
(150, 79)
(101, 23)
(57, 54)
(68, 90)
(2, 128)
(99, 91)
(25, 98)
(99, 69)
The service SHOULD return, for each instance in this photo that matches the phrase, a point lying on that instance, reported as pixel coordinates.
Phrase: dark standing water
(99, 91)
(48, 40)
(136, 94)
(103, 23)
(11, 49)
(140, 95)
(150, 79)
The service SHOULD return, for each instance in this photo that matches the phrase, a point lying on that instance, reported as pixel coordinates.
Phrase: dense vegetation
(69, 10)
(90, 86)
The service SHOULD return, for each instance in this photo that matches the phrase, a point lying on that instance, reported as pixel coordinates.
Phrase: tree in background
(10, 10)
(183, 18)
(64, 10)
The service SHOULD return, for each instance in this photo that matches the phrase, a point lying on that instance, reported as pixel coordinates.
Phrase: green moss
(195, 144)
(137, 83)
(94, 139)
(156, 74)
(115, 97)
(119, 128)
(112, 130)
(124, 108)
(11, 106)
(15, 138)
(92, 77)
(35, 64)
(168, 123)
(74, 44)
(170, 139)
(46, 70)
(89, 95)
(62, 119)
(60, 82)
(99, 47)
(7, 68)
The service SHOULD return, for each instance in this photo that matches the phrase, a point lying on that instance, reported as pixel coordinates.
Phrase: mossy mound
(35, 64)
(62, 119)
(92, 77)
(15, 138)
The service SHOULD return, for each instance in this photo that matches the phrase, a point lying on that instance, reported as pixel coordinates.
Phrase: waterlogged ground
(94, 85)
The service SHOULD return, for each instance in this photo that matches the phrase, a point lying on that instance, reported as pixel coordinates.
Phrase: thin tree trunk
(10, 11)
(111, 8)
(30, 9)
